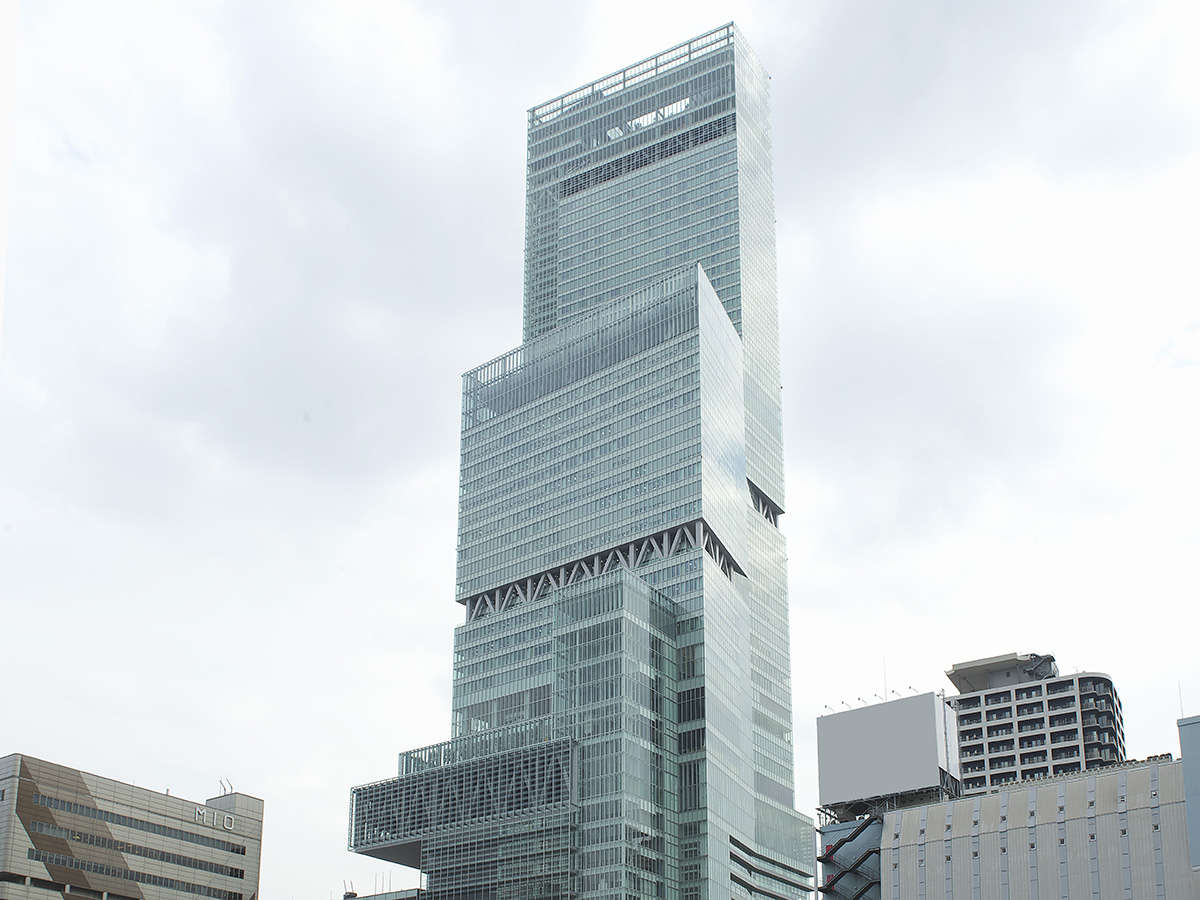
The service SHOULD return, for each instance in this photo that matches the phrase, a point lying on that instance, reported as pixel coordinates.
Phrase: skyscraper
(621, 713)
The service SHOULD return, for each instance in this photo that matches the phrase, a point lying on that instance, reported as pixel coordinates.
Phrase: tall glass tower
(621, 714)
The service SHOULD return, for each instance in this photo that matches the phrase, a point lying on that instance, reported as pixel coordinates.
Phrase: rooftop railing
(634, 74)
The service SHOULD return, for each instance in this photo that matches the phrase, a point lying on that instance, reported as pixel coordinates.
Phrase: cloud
(252, 248)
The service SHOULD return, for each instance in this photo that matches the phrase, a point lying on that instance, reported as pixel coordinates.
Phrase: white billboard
(888, 748)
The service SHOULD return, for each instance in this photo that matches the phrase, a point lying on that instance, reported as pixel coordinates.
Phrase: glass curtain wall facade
(619, 558)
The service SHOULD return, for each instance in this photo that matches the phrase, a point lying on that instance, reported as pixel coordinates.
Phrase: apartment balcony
(1065, 753)
(1030, 709)
(1000, 746)
(1062, 737)
(1060, 687)
(1028, 693)
(969, 752)
(966, 703)
(999, 730)
(970, 719)
(1028, 759)
(997, 699)
(1003, 762)
(996, 715)
(1064, 719)
(1039, 741)
(1032, 725)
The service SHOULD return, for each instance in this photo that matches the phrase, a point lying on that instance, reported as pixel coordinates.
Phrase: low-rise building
(1119, 833)
(1128, 831)
(71, 833)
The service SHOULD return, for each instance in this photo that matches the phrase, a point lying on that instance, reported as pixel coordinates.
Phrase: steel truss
(764, 505)
(661, 545)
(526, 780)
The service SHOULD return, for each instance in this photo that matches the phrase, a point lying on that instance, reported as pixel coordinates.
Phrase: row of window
(138, 824)
(107, 843)
(506, 431)
(516, 461)
(99, 868)
(648, 156)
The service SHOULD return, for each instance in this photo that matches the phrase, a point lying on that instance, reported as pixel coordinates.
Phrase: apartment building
(1019, 718)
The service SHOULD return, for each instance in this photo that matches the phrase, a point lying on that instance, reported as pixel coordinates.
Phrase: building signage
(206, 816)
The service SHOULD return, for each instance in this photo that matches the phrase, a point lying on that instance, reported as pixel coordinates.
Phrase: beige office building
(70, 834)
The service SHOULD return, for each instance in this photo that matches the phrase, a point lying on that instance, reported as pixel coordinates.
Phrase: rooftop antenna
(1179, 684)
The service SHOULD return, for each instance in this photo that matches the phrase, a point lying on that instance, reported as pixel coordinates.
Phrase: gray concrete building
(1128, 831)
(1019, 719)
(1118, 833)
(1189, 748)
(73, 834)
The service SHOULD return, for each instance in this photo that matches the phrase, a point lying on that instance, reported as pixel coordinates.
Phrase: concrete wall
(1119, 833)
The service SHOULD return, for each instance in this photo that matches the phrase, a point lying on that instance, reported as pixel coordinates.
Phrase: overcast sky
(252, 247)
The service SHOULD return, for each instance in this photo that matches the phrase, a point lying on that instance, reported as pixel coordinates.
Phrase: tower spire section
(621, 713)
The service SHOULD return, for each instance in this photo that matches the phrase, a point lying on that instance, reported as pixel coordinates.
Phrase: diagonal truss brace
(631, 555)
(764, 505)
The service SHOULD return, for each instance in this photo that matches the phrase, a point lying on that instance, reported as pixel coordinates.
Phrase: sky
(252, 247)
